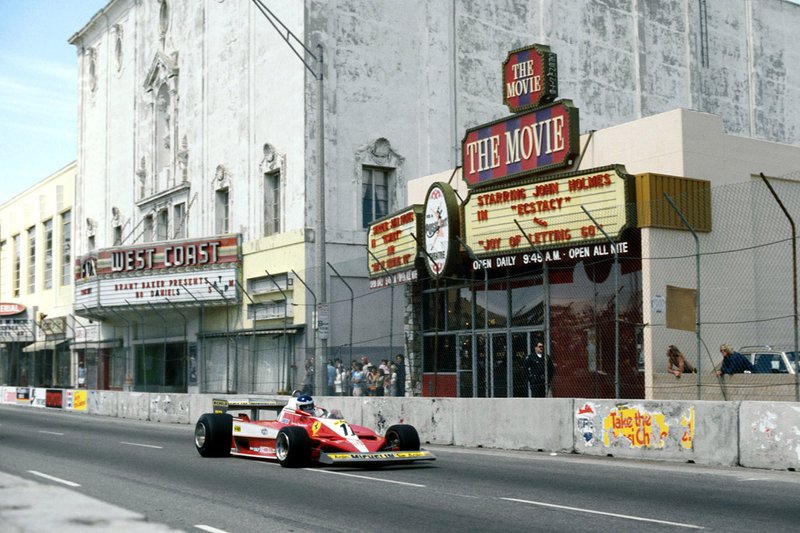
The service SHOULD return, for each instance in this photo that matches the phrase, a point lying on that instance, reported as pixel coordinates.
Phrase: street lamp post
(616, 300)
(228, 344)
(352, 298)
(545, 299)
(285, 311)
(319, 238)
(313, 313)
(391, 298)
(475, 259)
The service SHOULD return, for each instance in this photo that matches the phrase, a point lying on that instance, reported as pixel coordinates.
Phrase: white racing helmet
(305, 403)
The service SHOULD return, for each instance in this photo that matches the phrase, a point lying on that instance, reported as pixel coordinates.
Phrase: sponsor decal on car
(264, 431)
(237, 429)
(377, 456)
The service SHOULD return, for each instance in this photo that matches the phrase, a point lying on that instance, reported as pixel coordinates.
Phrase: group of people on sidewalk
(365, 379)
(362, 378)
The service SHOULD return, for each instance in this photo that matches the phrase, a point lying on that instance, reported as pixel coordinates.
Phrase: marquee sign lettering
(392, 248)
(542, 139)
(160, 256)
(549, 211)
(16, 330)
(556, 256)
(211, 285)
(530, 78)
(10, 309)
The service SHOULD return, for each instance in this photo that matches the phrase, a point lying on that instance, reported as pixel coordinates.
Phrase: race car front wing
(345, 458)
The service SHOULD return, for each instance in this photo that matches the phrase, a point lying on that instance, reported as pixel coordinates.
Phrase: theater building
(542, 237)
(577, 298)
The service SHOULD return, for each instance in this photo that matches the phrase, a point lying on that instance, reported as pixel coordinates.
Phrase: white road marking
(615, 515)
(50, 432)
(209, 528)
(51, 478)
(142, 445)
(364, 477)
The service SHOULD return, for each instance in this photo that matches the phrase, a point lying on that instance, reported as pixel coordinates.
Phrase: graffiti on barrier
(687, 422)
(585, 421)
(641, 428)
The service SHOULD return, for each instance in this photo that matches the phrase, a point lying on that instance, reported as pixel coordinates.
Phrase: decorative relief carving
(221, 177)
(272, 160)
(141, 173)
(116, 217)
(91, 55)
(379, 153)
(118, 33)
(91, 227)
(183, 160)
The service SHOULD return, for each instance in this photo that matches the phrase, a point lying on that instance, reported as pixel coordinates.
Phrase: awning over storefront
(293, 330)
(97, 345)
(42, 345)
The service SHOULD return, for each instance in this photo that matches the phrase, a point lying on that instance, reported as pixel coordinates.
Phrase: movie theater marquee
(549, 212)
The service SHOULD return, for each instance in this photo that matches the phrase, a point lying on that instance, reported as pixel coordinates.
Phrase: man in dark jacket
(401, 374)
(539, 368)
(733, 362)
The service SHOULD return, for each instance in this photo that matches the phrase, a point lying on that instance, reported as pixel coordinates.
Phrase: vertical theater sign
(530, 78)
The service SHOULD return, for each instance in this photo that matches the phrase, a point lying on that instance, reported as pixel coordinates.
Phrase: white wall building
(196, 122)
(36, 284)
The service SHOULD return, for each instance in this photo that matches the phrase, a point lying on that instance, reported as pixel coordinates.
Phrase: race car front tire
(212, 435)
(293, 447)
(402, 437)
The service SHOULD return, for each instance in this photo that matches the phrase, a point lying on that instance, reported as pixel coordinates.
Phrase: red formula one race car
(300, 434)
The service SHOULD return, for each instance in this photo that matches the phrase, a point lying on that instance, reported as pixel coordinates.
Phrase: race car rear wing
(254, 405)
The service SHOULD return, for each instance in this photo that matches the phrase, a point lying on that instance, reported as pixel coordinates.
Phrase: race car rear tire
(212, 435)
(293, 447)
(402, 437)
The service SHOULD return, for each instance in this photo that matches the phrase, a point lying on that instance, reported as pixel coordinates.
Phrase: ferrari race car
(300, 434)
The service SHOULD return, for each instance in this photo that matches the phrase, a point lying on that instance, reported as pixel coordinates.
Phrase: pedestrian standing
(539, 368)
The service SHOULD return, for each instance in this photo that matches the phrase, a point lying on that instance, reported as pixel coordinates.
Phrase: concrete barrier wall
(699, 432)
(769, 435)
(738, 387)
(542, 424)
(750, 434)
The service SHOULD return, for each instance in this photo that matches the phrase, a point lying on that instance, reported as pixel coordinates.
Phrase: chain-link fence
(746, 296)
(605, 320)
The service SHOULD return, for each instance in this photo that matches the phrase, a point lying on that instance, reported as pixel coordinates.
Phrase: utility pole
(319, 233)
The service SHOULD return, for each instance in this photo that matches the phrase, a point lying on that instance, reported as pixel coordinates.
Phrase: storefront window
(459, 308)
(498, 304)
(161, 367)
(527, 302)
(441, 356)
(435, 306)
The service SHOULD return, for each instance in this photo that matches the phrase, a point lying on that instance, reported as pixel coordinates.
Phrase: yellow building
(36, 284)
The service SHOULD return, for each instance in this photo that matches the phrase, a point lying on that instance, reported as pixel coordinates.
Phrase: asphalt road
(153, 469)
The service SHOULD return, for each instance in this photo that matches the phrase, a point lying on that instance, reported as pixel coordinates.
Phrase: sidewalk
(30, 507)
